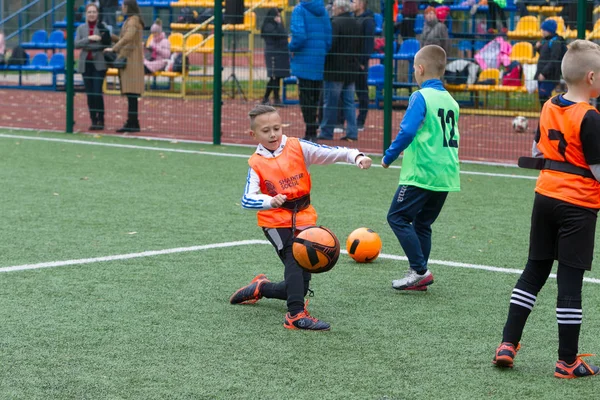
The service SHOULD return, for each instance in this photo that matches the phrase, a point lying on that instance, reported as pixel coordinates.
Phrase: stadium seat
(39, 60)
(39, 39)
(419, 23)
(408, 49)
(595, 34)
(56, 40)
(248, 25)
(528, 27)
(176, 40)
(378, 24)
(523, 53)
(376, 78)
(192, 43)
(57, 62)
(290, 80)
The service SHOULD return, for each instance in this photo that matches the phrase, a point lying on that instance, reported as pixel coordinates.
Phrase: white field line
(152, 253)
(209, 153)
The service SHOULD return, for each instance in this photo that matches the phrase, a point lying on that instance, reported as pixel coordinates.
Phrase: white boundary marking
(153, 253)
(209, 153)
(129, 256)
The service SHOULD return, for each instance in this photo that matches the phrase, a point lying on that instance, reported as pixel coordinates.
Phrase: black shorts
(562, 231)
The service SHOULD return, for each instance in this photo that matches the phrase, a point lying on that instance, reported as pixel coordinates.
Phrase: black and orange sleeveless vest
(560, 141)
(284, 174)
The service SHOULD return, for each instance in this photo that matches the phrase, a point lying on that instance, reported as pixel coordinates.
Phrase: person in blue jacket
(310, 32)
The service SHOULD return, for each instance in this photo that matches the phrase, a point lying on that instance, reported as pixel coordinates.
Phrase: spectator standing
(495, 10)
(410, 9)
(158, 51)
(552, 48)
(341, 70)
(92, 37)
(277, 58)
(366, 20)
(434, 31)
(310, 32)
(108, 13)
(131, 78)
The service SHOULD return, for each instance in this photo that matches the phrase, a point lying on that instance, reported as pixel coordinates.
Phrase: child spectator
(552, 48)
(284, 208)
(429, 138)
(158, 51)
(565, 208)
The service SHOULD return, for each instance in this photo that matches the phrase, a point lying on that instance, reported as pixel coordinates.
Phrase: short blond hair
(582, 57)
(259, 109)
(433, 58)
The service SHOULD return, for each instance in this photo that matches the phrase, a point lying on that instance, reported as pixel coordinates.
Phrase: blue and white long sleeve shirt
(313, 154)
(411, 122)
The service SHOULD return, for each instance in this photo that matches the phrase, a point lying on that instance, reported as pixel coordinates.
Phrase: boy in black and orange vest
(278, 187)
(563, 222)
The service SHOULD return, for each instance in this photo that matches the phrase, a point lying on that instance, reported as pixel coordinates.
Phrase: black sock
(568, 311)
(523, 298)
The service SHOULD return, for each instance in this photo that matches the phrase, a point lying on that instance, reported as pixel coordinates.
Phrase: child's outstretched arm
(253, 199)
(320, 154)
(412, 120)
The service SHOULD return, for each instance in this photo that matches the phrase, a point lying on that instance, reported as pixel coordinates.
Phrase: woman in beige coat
(129, 45)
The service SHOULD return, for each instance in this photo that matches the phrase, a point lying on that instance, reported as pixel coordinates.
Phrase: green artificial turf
(161, 327)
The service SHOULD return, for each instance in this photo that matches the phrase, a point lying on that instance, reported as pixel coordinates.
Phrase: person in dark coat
(310, 32)
(367, 23)
(277, 58)
(552, 49)
(341, 69)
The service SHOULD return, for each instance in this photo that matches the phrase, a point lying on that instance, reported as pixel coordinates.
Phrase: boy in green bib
(429, 138)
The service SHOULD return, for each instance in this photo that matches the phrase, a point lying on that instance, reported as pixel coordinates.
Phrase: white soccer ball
(520, 124)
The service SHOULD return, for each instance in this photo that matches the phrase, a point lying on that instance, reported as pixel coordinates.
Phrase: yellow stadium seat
(149, 40)
(176, 40)
(248, 25)
(193, 41)
(522, 52)
(595, 34)
(527, 27)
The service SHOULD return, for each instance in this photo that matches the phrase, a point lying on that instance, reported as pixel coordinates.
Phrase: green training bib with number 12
(431, 160)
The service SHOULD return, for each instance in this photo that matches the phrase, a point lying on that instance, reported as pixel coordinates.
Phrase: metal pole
(70, 92)
(388, 75)
(581, 11)
(217, 73)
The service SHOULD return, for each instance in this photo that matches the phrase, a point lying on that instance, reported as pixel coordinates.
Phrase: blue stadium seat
(56, 40)
(376, 78)
(39, 61)
(57, 62)
(290, 80)
(408, 49)
(419, 23)
(38, 40)
(378, 24)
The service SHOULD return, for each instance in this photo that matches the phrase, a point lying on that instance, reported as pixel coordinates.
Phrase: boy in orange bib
(563, 221)
(278, 187)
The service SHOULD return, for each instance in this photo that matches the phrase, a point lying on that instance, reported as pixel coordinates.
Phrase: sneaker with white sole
(338, 130)
(413, 279)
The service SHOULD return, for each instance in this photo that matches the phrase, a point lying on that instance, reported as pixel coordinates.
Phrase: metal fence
(229, 64)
